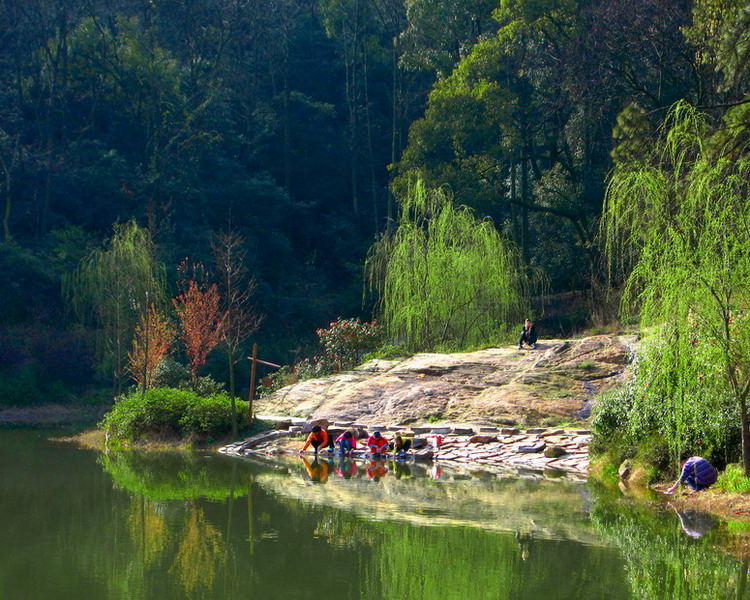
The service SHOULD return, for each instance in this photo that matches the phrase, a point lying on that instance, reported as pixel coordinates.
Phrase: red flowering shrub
(345, 341)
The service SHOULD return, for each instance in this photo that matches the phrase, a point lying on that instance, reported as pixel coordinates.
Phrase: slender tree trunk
(371, 154)
(231, 393)
(524, 210)
(745, 436)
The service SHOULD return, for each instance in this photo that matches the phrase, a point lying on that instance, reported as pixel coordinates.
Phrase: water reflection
(346, 467)
(376, 469)
(192, 526)
(695, 523)
(317, 470)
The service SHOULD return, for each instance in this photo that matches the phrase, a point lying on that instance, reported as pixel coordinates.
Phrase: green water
(79, 524)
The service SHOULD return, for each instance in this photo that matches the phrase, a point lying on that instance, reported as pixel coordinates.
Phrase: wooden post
(255, 360)
(252, 386)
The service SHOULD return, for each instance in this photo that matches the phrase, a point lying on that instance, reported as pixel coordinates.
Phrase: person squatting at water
(697, 472)
(346, 443)
(377, 444)
(318, 438)
(528, 335)
(400, 446)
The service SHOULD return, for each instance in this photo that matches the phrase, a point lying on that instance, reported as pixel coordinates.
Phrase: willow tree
(680, 218)
(111, 288)
(445, 278)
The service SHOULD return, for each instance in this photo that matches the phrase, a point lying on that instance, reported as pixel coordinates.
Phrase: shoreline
(539, 449)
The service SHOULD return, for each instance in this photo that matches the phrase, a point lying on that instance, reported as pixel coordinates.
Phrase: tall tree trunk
(231, 394)
(745, 435)
(525, 210)
(370, 153)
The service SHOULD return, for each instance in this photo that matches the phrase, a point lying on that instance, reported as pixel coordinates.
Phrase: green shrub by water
(733, 479)
(670, 405)
(169, 412)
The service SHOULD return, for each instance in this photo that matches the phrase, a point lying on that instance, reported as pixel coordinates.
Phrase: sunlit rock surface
(505, 385)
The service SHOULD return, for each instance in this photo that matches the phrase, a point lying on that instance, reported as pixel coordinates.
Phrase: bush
(210, 416)
(171, 374)
(168, 412)
(670, 399)
(345, 341)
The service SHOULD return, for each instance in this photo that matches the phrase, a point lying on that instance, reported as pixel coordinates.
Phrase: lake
(82, 524)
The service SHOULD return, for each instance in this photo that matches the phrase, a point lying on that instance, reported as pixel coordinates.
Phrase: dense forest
(299, 126)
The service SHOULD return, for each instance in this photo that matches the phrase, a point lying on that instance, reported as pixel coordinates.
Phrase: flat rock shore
(540, 449)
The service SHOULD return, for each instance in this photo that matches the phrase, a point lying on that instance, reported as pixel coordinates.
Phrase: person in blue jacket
(697, 473)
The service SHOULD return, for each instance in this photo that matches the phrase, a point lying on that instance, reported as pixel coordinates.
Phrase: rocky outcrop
(497, 386)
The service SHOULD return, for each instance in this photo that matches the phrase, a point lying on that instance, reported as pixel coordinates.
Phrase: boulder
(626, 468)
(307, 427)
(554, 451)
(285, 425)
(531, 448)
(417, 443)
(483, 439)
(552, 432)
(463, 431)
(510, 431)
(425, 454)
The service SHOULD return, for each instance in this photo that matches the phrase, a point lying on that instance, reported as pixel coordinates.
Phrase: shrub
(210, 416)
(345, 341)
(669, 398)
(171, 374)
(168, 412)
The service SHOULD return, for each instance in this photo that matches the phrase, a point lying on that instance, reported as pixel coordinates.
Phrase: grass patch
(733, 480)
(387, 352)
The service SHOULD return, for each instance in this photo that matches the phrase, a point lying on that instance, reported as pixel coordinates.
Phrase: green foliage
(20, 387)
(445, 278)
(733, 479)
(172, 374)
(168, 412)
(665, 400)
(110, 289)
(672, 216)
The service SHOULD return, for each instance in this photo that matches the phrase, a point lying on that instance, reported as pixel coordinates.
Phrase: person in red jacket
(318, 438)
(377, 444)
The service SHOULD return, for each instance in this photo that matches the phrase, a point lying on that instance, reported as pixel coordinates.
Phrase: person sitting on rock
(528, 335)
(346, 442)
(697, 472)
(318, 438)
(377, 444)
(400, 446)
